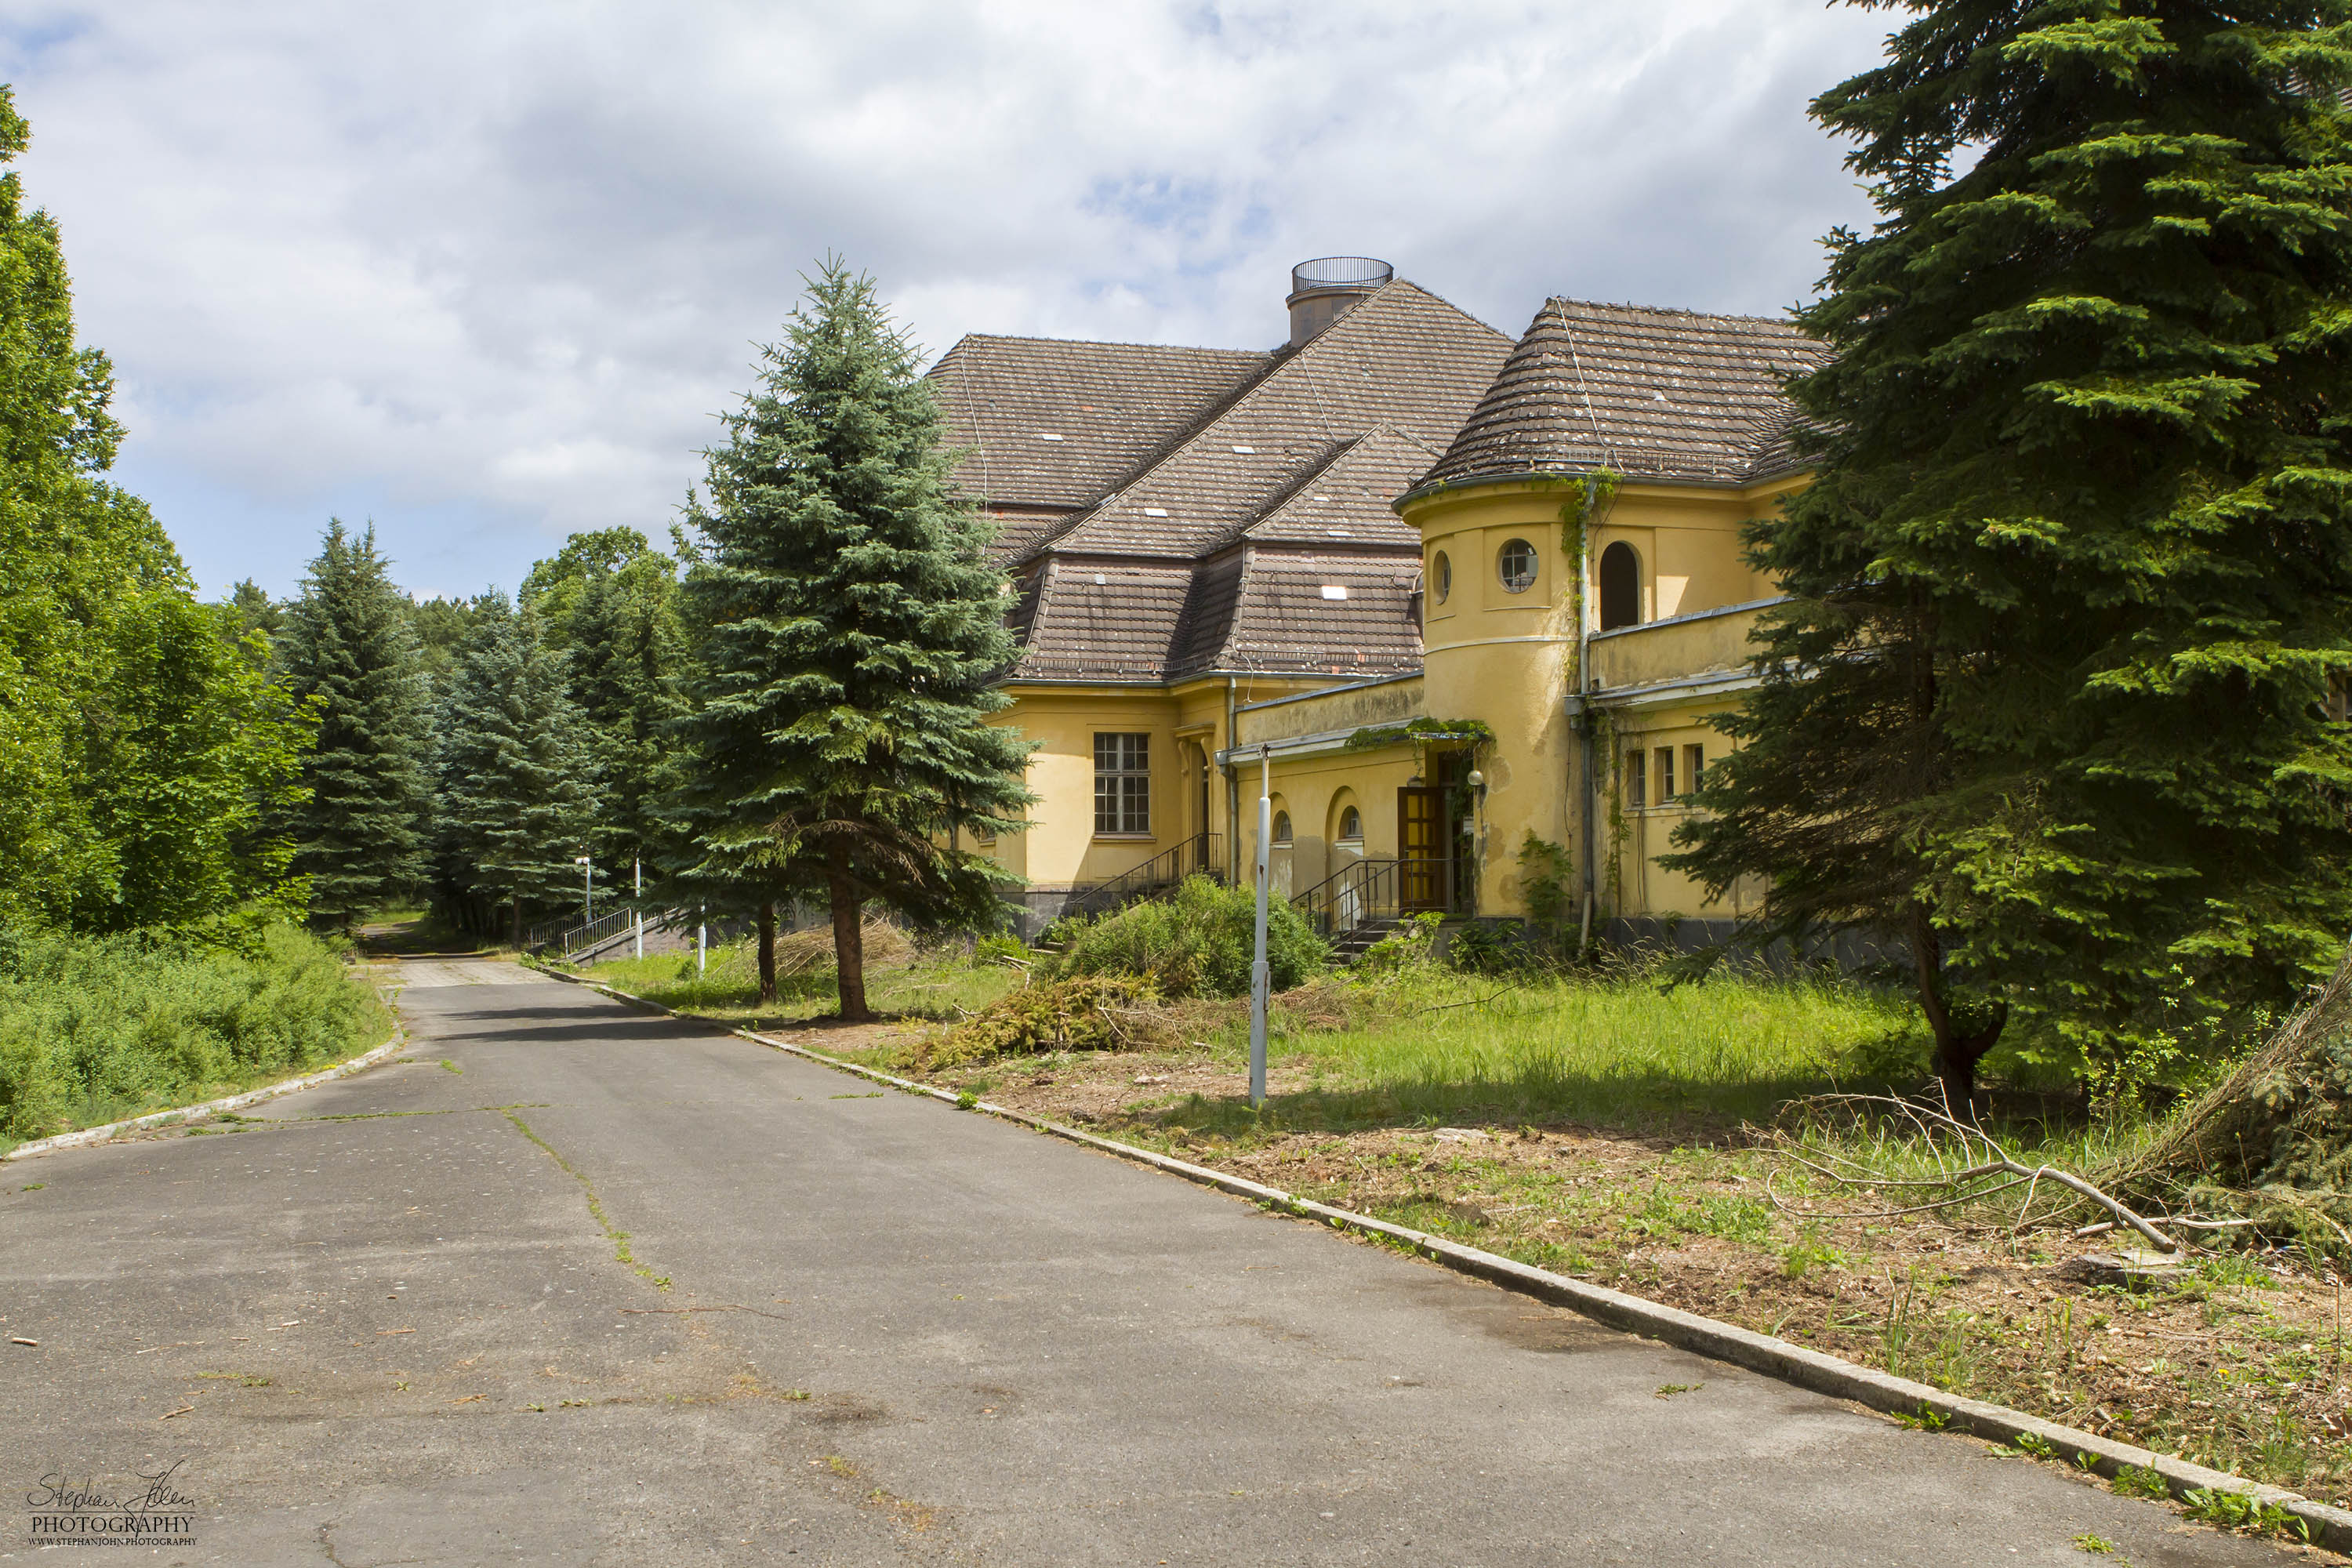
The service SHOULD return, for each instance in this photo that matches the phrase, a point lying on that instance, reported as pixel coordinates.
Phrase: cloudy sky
(484, 273)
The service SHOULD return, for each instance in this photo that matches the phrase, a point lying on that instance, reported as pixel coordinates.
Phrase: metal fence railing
(566, 939)
(1367, 892)
(1196, 856)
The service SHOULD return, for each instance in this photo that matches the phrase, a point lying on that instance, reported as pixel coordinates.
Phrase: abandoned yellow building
(1362, 572)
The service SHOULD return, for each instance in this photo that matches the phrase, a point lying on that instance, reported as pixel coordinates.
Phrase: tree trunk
(518, 923)
(1956, 1055)
(768, 951)
(849, 940)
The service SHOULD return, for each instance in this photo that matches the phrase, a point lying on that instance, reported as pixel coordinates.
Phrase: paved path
(397, 1320)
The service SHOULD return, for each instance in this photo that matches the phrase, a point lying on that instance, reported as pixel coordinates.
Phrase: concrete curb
(1811, 1369)
(398, 1042)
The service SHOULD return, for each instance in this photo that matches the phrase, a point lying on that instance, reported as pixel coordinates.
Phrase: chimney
(1327, 287)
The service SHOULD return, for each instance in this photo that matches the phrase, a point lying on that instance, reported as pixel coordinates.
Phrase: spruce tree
(349, 653)
(2049, 708)
(850, 626)
(517, 795)
(609, 600)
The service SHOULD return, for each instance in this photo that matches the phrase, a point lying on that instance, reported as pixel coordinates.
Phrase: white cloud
(486, 271)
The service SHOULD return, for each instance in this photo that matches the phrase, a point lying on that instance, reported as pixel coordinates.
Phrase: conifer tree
(517, 795)
(609, 600)
(348, 653)
(2050, 706)
(850, 626)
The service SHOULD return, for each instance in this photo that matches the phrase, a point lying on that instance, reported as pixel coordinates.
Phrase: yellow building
(1357, 572)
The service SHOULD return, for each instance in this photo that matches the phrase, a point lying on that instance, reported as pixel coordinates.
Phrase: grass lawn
(1606, 1128)
(925, 991)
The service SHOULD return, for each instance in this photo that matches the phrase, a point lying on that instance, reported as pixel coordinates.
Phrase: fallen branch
(1980, 1158)
(1474, 1002)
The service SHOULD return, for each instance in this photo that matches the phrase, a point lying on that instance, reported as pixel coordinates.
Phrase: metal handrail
(1195, 855)
(1340, 272)
(1369, 891)
(570, 940)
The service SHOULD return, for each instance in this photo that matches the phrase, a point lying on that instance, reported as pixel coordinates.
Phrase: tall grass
(1435, 1048)
(94, 1028)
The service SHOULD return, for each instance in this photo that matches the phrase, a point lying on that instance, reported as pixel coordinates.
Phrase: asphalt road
(573, 1284)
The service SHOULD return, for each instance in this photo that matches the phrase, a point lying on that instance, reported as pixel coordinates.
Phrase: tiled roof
(1300, 613)
(1193, 518)
(1404, 358)
(1652, 394)
(1105, 620)
(1111, 406)
(1346, 503)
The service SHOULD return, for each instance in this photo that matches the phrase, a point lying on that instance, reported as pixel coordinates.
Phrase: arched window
(1518, 565)
(1351, 825)
(1282, 827)
(1621, 587)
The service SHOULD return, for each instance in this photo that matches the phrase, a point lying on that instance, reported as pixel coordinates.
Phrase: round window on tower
(1442, 570)
(1518, 565)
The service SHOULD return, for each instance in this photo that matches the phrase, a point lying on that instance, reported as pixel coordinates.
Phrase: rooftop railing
(1340, 272)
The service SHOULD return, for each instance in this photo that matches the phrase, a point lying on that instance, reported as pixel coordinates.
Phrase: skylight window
(1155, 511)
(1246, 451)
(1048, 436)
(1335, 591)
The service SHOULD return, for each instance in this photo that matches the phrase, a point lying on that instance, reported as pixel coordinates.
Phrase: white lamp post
(637, 891)
(1261, 976)
(587, 887)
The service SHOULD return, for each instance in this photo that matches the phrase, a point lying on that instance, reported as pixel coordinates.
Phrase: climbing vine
(1588, 503)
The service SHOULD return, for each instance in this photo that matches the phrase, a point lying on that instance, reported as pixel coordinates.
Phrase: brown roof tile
(1110, 405)
(1307, 613)
(1405, 359)
(1653, 394)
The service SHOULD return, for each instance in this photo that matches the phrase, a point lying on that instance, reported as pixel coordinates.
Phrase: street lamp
(587, 886)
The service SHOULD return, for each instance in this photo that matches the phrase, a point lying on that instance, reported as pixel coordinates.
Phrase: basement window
(1122, 783)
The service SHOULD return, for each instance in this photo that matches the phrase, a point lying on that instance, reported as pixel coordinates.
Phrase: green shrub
(1410, 949)
(993, 950)
(1200, 943)
(93, 1027)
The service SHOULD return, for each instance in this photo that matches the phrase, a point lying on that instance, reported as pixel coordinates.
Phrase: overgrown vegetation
(93, 1028)
(1199, 943)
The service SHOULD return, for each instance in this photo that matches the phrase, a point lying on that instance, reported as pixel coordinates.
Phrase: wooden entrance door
(1421, 845)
